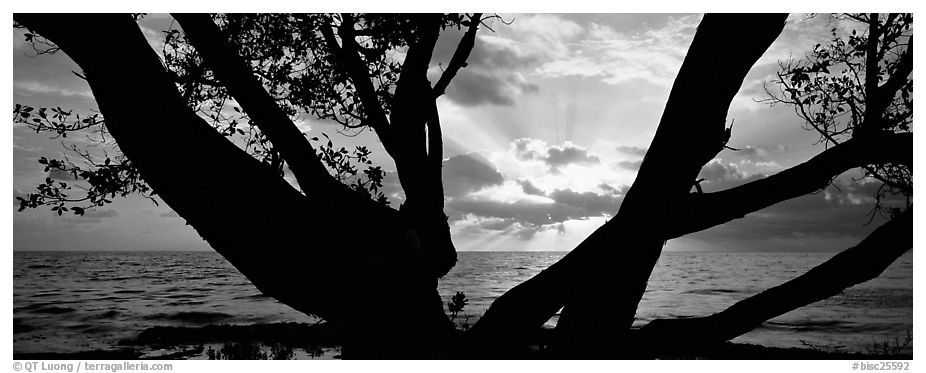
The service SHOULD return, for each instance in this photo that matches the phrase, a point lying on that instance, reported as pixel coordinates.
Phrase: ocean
(79, 301)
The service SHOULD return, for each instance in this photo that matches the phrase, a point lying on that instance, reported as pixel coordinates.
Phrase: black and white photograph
(461, 186)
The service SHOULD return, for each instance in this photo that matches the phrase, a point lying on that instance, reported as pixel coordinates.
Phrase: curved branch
(858, 264)
(235, 74)
(460, 56)
(703, 211)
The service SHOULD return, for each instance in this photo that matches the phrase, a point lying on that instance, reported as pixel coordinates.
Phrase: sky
(544, 131)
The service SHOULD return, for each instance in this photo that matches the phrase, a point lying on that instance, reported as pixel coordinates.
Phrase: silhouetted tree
(300, 245)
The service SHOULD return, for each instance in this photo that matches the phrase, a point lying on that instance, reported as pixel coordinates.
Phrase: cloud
(474, 88)
(91, 216)
(466, 173)
(554, 156)
(530, 188)
(715, 170)
(492, 75)
(101, 213)
(833, 219)
(611, 190)
(849, 191)
(633, 150)
(524, 218)
(630, 165)
(527, 213)
(615, 56)
(568, 153)
(30, 88)
(591, 203)
(546, 33)
(551, 187)
(761, 152)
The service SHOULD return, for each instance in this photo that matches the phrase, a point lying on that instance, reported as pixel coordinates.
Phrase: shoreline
(321, 341)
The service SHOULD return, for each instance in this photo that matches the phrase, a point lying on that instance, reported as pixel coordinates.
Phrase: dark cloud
(612, 190)
(474, 88)
(509, 227)
(560, 156)
(467, 173)
(527, 217)
(493, 56)
(812, 222)
(527, 213)
(530, 188)
(632, 150)
(591, 203)
(491, 74)
(835, 218)
(554, 156)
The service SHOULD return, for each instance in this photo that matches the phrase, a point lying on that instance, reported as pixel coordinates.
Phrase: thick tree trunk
(418, 155)
(602, 280)
(858, 264)
(410, 133)
(295, 248)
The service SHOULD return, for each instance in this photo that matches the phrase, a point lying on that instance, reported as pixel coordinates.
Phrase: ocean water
(76, 301)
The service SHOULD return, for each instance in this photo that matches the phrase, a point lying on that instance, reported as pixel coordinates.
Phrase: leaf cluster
(97, 184)
(856, 85)
(344, 166)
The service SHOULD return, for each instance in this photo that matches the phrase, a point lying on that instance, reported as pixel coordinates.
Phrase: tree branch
(872, 74)
(703, 211)
(415, 121)
(347, 55)
(408, 117)
(236, 75)
(420, 49)
(858, 264)
(885, 93)
(460, 56)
